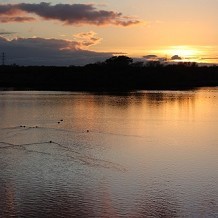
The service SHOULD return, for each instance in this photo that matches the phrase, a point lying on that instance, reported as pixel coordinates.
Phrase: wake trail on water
(22, 128)
(13, 131)
(74, 155)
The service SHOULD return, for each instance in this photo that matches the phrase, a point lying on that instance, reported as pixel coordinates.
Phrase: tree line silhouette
(116, 73)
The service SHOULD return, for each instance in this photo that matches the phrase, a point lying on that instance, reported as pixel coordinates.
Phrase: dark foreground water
(145, 154)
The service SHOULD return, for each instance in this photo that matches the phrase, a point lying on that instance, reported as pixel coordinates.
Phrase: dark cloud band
(68, 13)
(52, 52)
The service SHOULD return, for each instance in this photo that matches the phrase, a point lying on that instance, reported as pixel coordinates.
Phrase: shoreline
(108, 78)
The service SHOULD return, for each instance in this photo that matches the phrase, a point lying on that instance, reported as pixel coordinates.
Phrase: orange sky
(137, 28)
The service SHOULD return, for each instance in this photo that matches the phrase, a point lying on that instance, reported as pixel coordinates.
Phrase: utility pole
(3, 58)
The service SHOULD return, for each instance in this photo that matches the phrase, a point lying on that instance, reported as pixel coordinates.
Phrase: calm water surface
(140, 154)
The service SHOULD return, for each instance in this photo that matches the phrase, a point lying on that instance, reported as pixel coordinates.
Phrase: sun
(182, 51)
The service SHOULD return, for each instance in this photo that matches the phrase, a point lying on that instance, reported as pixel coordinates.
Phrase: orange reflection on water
(165, 140)
(9, 199)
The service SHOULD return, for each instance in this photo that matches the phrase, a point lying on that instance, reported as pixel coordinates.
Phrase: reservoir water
(137, 154)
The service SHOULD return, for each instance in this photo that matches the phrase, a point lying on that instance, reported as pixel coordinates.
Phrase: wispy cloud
(150, 57)
(87, 39)
(210, 58)
(153, 58)
(8, 19)
(3, 32)
(72, 14)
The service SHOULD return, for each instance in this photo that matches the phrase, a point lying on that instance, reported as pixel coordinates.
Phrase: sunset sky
(80, 32)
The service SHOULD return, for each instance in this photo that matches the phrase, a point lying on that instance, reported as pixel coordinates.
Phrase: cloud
(16, 19)
(176, 57)
(154, 58)
(41, 51)
(72, 14)
(87, 39)
(120, 53)
(210, 58)
(148, 57)
(2, 32)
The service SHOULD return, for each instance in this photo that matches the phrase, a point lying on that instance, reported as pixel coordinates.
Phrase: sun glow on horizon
(188, 53)
(183, 51)
(192, 54)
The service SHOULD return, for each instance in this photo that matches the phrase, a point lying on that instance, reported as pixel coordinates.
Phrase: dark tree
(119, 61)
